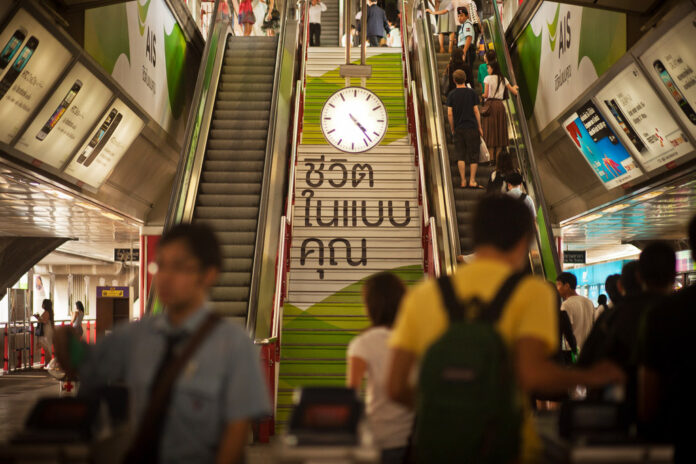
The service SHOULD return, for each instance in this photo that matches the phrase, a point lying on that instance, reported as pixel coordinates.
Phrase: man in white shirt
(315, 11)
(514, 186)
(580, 309)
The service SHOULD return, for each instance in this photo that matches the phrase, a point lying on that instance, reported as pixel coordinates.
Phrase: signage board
(575, 257)
(126, 254)
(31, 61)
(106, 145)
(112, 292)
(69, 114)
(641, 119)
(671, 63)
(600, 146)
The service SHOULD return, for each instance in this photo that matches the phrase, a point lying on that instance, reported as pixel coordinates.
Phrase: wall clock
(354, 120)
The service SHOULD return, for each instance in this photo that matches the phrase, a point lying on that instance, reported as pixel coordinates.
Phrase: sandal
(476, 186)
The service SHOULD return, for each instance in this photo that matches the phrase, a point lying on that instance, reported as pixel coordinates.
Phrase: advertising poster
(560, 54)
(31, 60)
(141, 45)
(66, 118)
(671, 63)
(601, 147)
(106, 145)
(642, 120)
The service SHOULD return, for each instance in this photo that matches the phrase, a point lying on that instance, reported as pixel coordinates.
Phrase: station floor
(20, 390)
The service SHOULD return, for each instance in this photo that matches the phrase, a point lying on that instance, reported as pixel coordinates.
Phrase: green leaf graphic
(606, 48)
(553, 28)
(175, 58)
(527, 61)
(106, 35)
(142, 15)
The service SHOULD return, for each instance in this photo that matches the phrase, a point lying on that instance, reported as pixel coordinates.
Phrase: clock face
(354, 120)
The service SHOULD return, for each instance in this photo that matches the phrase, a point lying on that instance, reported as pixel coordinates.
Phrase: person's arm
(438, 12)
(232, 443)
(450, 118)
(356, 371)
(515, 89)
(567, 331)
(478, 119)
(323, 7)
(467, 44)
(536, 373)
(485, 89)
(648, 393)
(270, 10)
(399, 386)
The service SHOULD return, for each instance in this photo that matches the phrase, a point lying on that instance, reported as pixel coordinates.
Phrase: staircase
(230, 187)
(465, 199)
(324, 309)
(329, 24)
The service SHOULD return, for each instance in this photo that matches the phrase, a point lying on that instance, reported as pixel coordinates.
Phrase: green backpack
(467, 405)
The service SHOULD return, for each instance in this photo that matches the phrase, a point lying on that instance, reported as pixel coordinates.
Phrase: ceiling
(660, 213)
(28, 208)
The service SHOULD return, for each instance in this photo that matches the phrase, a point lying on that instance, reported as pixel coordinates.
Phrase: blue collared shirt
(222, 382)
(466, 30)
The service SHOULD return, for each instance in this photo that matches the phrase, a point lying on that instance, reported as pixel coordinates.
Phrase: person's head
(489, 56)
(602, 300)
(80, 307)
(514, 180)
(352, 27)
(456, 57)
(314, 2)
(462, 14)
(494, 70)
(692, 236)
(566, 283)
(504, 227)
(657, 267)
(612, 287)
(382, 294)
(459, 77)
(629, 284)
(188, 262)
(504, 164)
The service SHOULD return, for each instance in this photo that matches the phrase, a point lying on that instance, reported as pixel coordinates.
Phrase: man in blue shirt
(466, 38)
(219, 390)
(377, 24)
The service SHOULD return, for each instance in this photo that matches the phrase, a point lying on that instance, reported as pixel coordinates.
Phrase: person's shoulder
(535, 286)
(424, 291)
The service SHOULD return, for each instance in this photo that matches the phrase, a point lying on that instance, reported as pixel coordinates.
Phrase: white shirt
(78, 319)
(390, 422)
(315, 13)
(494, 90)
(581, 313)
(517, 192)
(394, 38)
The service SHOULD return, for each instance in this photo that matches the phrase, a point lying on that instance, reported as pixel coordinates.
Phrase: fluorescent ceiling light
(111, 216)
(88, 206)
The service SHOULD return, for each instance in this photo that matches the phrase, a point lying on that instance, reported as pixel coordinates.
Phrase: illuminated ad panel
(64, 121)
(671, 63)
(106, 145)
(31, 60)
(600, 146)
(641, 120)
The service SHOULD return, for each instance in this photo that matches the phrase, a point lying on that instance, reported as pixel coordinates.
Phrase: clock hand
(360, 126)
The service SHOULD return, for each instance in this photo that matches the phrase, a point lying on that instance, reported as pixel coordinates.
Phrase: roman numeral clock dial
(354, 120)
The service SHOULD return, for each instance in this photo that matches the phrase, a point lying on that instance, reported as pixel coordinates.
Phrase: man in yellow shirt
(503, 229)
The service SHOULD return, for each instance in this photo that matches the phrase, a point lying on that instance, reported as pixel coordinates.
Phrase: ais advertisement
(64, 121)
(31, 60)
(642, 120)
(560, 54)
(671, 62)
(106, 145)
(141, 45)
(601, 147)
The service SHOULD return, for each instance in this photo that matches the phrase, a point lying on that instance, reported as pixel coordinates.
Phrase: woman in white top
(77, 316)
(368, 355)
(494, 121)
(45, 328)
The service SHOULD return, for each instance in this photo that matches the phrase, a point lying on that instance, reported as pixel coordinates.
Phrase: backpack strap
(455, 311)
(495, 308)
(523, 196)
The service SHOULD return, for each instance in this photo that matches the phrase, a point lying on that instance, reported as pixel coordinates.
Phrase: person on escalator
(515, 189)
(465, 124)
(377, 24)
(456, 62)
(246, 16)
(368, 356)
(495, 122)
(465, 36)
(488, 57)
(504, 167)
(315, 11)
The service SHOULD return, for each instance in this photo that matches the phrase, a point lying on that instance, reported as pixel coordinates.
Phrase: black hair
(200, 240)
(602, 299)
(514, 179)
(462, 9)
(490, 54)
(657, 265)
(568, 278)
(495, 68)
(80, 306)
(611, 285)
(47, 305)
(629, 278)
(692, 236)
(383, 293)
(456, 59)
(502, 221)
(504, 164)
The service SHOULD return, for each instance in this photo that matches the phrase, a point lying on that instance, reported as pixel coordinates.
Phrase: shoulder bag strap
(449, 298)
(495, 308)
(160, 398)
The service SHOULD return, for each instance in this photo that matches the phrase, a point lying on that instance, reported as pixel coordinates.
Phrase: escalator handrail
(252, 309)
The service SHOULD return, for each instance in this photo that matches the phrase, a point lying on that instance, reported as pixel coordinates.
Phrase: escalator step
(236, 265)
(229, 294)
(247, 87)
(240, 115)
(246, 135)
(238, 251)
(229, 189)
(227, 200)
(234, 279)
(236, 238)
(240, 78)
(243, 105)
(240, 124)
(230, 154)
(230, 308)
(244, 96)
(241, 166)
(226, 212)
(231, 177)
(223, 225)
(237, 144)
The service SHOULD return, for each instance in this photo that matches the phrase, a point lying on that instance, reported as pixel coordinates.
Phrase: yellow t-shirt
(530, 312)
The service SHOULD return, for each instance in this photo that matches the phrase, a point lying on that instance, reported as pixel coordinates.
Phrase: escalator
(453, 206)
(229, 193)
